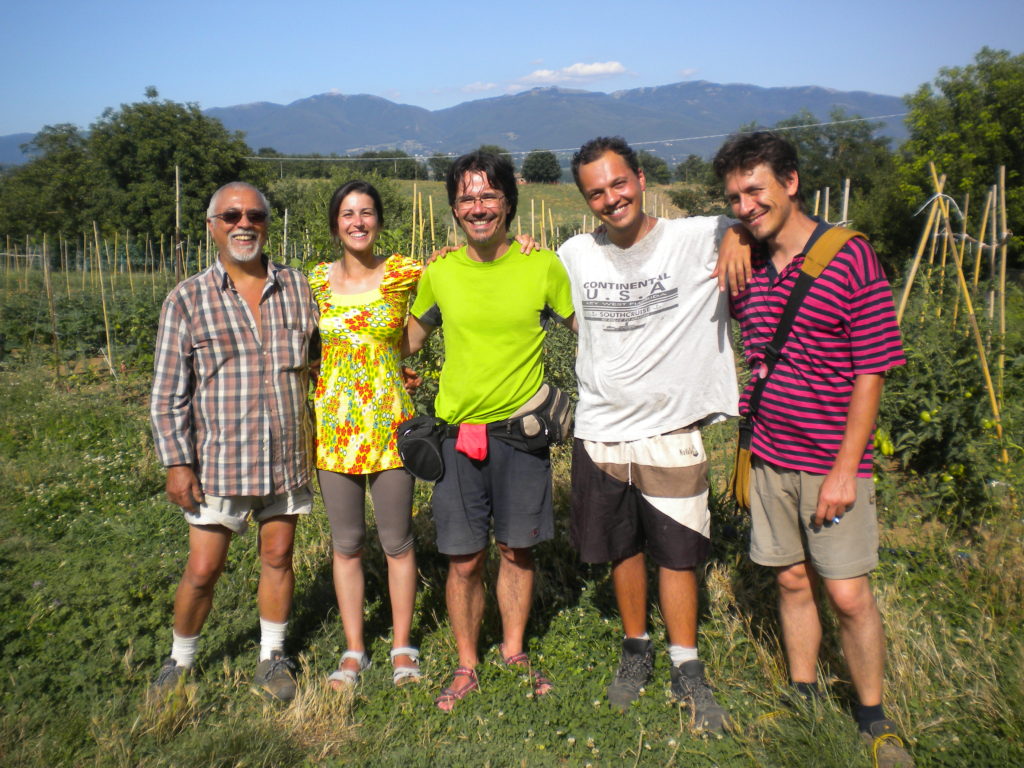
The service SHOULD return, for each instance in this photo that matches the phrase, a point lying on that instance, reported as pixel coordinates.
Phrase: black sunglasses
(233, 216)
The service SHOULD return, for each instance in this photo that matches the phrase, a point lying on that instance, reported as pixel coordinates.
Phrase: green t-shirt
(494, 316)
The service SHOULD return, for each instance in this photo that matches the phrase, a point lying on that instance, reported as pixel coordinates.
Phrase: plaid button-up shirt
(227, 400)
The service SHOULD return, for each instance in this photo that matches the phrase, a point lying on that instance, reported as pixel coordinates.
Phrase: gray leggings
(344, 498)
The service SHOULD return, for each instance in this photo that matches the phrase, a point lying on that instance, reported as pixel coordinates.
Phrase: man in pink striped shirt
(814, 425)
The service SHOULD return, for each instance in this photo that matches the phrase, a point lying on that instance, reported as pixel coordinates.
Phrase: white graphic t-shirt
(654, 345)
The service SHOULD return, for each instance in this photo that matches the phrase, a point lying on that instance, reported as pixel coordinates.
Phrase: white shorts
(232, 512)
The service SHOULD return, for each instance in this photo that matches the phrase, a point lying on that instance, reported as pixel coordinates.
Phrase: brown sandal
(446, 701)
(541, 684)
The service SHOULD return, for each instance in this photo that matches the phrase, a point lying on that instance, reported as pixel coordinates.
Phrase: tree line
(121, 173)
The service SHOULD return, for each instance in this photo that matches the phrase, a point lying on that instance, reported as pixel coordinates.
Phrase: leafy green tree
(392, 164)
(969, 123)
(52, 192)
(655, 169)
(136, 149)
(439, 165)
(830, 154)
(542, 166)
(695, 169)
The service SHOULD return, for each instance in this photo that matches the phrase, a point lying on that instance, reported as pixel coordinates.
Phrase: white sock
(183, 649)
(680, 654)
(271, 637)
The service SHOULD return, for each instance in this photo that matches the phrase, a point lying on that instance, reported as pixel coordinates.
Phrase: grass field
(91, 553)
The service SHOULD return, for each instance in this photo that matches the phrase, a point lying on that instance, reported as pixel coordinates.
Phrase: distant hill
(10, 148)
(548, 118)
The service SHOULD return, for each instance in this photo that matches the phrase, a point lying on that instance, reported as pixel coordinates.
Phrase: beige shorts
(782, 504)
(232, 512)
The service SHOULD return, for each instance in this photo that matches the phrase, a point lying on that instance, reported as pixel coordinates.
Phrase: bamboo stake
(412, 233)
(917, 258)
(1003, 236)
(846, 201)
(103, 302)
(67, 265)
(178, 272)
(825, 216)
(533, 230)
(963, 248)
(551, 223)
(817, 200)
(993, 258)
(433, 235)
(85, 258)
(53, 313)
(981, 237)
(423, 228)
(543, 227)
(982, 356)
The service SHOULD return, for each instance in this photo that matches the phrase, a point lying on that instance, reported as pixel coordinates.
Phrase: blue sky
(67, 61)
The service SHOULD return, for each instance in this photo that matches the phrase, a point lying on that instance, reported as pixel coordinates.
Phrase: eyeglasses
(487, 200)
(233, 216)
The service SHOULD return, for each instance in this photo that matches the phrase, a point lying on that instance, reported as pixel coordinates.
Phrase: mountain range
(677, 119)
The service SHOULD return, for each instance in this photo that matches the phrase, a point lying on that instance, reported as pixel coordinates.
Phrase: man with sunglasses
(231, 425)
(496, 304)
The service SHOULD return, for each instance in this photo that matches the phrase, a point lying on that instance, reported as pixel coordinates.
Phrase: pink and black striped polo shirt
(846, 326)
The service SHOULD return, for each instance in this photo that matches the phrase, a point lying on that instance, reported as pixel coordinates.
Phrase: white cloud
(574, 73)
(478, 87)
(688, 73)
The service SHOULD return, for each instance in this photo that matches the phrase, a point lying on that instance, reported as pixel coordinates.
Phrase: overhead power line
(349, 159)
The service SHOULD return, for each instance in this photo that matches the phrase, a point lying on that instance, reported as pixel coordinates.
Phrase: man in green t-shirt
(495, 304)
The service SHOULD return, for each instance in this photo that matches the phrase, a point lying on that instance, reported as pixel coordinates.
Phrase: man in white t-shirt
(654, 363)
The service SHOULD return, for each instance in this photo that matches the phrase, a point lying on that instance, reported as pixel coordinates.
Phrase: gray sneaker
(633, 673)
(168, 676)
(887, 748)
(275, 677)
(690, 687)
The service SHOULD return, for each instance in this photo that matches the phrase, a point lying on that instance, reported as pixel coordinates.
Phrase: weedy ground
(90, 555)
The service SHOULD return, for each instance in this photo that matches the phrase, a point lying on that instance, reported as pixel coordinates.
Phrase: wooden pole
(103, 302)
(963, 248)
(177, 225)
(433, 234)
(817, 201)
(979, 343)
(533, 231)
(917, 258)
(846, 201)
(981, 238)
(53, 313)
(1003, 236)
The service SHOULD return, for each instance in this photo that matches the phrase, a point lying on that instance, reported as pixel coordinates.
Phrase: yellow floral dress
(359, 397)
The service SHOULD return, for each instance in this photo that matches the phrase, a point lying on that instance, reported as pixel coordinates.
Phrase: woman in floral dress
(360, 399)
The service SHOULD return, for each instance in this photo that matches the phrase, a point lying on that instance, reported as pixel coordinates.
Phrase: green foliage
(394, 164)
(541, 166)
(307, 200)
(136, 149)
(439, 165)
(969, 123)
(123, 175)
(656, 170)
(696, 170)
(936, 419)
(53, 191)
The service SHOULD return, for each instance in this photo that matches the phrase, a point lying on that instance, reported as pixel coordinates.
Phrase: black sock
(809, 691)
(868, 715)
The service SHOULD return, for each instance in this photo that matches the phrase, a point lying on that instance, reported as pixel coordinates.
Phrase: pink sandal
(541, 684)
(446, 701)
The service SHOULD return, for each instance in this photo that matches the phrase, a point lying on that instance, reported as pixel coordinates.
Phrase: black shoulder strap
(821, 254)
